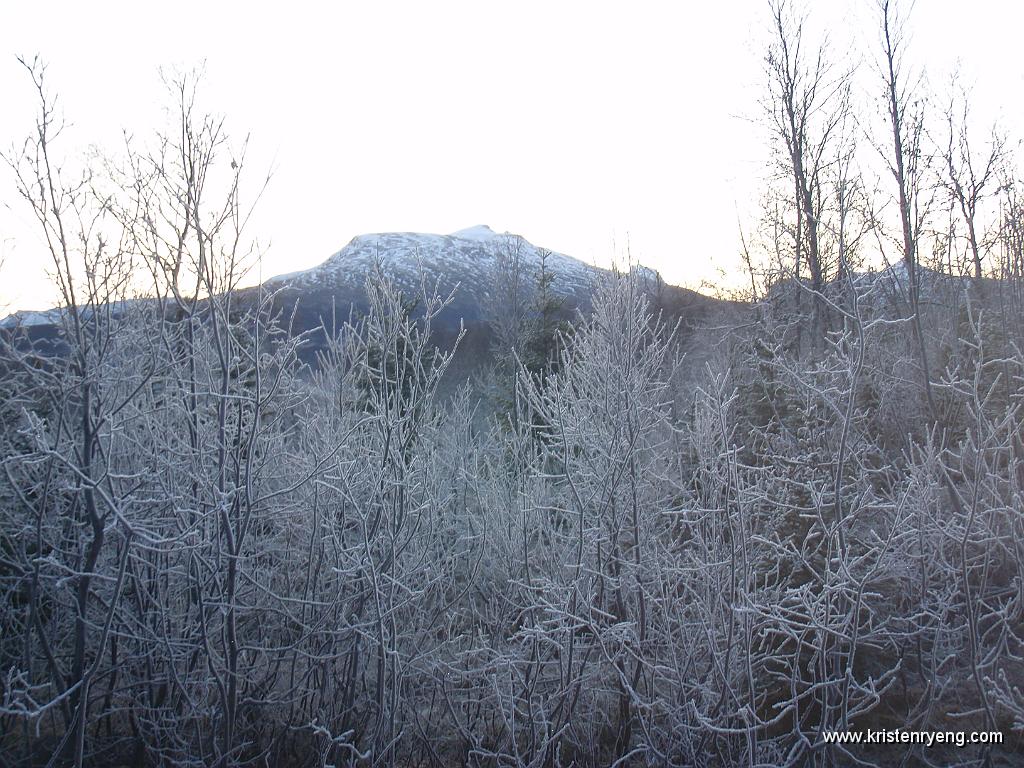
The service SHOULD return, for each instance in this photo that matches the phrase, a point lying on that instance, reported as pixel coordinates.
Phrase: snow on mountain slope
(28, 318)
(467, 259)
(892, 284)
(468, 262)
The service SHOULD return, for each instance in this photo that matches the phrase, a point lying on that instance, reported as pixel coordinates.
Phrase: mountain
(466, 262)
(471, 264)
(476, 265)
(886, 291)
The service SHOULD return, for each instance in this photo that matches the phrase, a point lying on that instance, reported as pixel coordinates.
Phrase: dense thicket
(628, 549)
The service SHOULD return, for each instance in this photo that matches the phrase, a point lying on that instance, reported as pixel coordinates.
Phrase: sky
(596, 129)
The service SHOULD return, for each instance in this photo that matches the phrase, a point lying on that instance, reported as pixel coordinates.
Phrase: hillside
(477, 267)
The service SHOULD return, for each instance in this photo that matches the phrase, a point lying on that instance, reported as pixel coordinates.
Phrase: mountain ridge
(465, 259)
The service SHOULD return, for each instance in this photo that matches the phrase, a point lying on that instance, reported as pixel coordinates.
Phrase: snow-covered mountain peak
(467, 257)
(481, 232)
(472, 262)
(27, 317)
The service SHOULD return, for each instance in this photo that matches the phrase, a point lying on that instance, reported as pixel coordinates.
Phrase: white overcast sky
(580, 125)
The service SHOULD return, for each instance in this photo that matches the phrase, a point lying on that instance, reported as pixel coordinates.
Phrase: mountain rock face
(478, 267)
(468, 259)
(466, 262)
